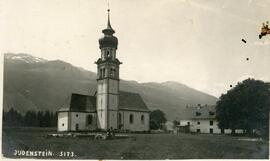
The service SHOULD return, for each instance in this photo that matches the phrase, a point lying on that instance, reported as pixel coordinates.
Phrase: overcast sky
(194, 42)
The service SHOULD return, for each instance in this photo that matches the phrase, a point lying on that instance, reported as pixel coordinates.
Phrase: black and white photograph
(135, 79)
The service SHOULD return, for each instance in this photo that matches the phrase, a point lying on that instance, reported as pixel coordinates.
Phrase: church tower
(108, 80)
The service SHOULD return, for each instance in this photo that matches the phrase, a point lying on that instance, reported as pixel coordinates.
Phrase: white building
(109, 107)
(202, 119)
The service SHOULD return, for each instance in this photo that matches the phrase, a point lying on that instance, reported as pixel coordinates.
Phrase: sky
(194, 42)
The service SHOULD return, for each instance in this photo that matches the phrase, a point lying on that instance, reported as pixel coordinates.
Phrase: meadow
(137, 146)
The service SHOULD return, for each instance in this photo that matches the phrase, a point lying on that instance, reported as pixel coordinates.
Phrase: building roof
(85, 103)
(131, 101)
(199, 112)
(81, 103)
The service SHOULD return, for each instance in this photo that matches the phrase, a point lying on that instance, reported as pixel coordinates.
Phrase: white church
(109, 107)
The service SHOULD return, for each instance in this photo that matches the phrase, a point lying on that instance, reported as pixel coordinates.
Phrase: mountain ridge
(32, 85)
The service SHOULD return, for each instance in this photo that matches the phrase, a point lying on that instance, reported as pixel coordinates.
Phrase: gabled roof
(199, 112)
(131, 101)
(81, 103)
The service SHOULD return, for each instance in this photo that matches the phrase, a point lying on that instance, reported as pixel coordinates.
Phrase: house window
(198, 114)
(89, 119)
(198, 123)
(63, 124)
(142, 119)
(198, 130)
(211, 131)
(131, 119)
(211, 113)
(211, 123)
(188, 123)
(77, 115)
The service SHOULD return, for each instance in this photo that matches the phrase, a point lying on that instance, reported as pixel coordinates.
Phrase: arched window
(100, 73)
(112, 72)
(108, 53)
(103, 72)
(89, 119)
(119, 118)
(142, 119)
(131, 119)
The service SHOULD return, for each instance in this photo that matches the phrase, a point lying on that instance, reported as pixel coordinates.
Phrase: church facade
(109, 107)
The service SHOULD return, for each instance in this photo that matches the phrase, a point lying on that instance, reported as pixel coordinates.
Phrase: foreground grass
(140, 146)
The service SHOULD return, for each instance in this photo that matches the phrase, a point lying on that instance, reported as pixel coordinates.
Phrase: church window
(103, 72)
(131, 118)
(100, 102)
(89, 119)
(112, 72)
(119, 117)
(108, 53)
(100, 73)
(142, 119)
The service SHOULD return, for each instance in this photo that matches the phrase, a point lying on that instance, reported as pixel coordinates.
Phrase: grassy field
(140, 146)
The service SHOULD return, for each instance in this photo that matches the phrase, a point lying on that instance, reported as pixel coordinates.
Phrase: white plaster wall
(113, 86)
(81, 120)
(137, 125)
(184, 122)
(102, 97)
(113, 102)
(102, 86)
(102, 119)
(227, 131)
(62, 119)
(239, 131)
(205, 126)
(113, 119)
(101, 102)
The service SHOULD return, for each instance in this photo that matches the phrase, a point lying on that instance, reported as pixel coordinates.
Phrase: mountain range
(32, 83)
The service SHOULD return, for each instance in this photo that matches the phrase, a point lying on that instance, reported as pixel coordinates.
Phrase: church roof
(80, 103)
(131, 101)
(85, 103)
(199, 112)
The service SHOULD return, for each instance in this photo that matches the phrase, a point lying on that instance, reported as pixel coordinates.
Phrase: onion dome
(108, 40)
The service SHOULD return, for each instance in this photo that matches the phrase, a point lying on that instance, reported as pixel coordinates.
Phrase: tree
(157, 118)
(31, 119)
(12, 118)
(246, 106)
